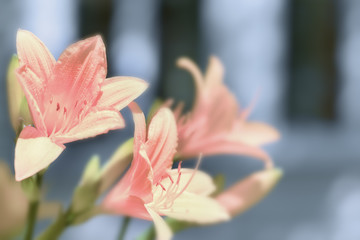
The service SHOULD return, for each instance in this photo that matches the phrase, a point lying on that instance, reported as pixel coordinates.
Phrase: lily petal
(125, 205)
(162, 142)
(82, 69)
(118, 92)
(257, 133)
(201, 183)
(140, 127)
(193, 69)
(142, 177)
(249, 191)
(225, 145)
(34, 152)
(133, 191)
(221, 111)
(33, 89)
(95, 123)
(196, 208)
(214, 73)
(33, 53)
(163, 232)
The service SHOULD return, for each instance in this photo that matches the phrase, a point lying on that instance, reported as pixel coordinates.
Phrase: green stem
(33, 209)
(124, 227)
(64, 220)
(56, 228)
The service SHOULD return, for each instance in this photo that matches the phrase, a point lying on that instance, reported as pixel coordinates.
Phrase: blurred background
(300, 57)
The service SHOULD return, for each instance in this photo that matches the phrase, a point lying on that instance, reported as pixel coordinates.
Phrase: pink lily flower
(69, 100)
(216, 124)
(151, 189)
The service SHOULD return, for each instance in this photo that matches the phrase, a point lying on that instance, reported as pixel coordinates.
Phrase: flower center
(172, 189)
(58, 118)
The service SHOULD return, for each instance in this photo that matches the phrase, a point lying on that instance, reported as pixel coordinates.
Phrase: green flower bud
(117, 164)
(18, 108)
(87, 191)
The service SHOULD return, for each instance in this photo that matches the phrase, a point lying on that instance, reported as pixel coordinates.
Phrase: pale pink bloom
(70, 99)
(216, 124)
(151, 189)
(13, 203)
(249, 191)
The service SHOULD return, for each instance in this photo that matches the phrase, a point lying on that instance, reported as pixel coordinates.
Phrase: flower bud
(91, 172)
(249, 191)
(116, 165)
(87, 191)
(95, 180)
(18, 108)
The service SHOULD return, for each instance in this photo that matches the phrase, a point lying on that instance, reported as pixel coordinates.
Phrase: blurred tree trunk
(180, 34)
(94, 18)
(312, 88)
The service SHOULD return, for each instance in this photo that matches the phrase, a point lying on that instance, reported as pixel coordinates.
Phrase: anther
(172, 181)
(179, 166)
(178, 179)
(162, 186)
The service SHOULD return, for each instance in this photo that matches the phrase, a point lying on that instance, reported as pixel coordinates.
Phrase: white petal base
(33, 155)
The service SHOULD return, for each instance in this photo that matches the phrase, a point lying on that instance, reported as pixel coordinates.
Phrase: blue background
(301, 57)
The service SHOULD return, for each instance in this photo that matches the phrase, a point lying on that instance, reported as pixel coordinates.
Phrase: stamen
(57, 107)
(179, 166)
(162, 193)
(162, 186)
(178, 178)
(192, 176)
(168, 197)
(172, 181)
